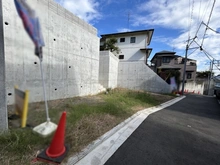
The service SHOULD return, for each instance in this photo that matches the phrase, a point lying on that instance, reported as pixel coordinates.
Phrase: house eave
(148, 31)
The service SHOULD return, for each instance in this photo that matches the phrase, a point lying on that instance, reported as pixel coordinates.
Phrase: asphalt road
(186, 133)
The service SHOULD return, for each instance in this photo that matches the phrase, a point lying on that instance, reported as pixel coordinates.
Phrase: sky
(174, 23)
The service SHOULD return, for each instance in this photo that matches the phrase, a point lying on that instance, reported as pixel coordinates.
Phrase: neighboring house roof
(162, 53)
(166, 53)
(150, 31)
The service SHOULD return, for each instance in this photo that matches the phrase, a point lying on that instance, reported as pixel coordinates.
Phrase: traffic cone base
(43, 157)
(57, 154)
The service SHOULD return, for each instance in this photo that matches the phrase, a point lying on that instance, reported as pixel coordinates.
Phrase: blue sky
(173, 21)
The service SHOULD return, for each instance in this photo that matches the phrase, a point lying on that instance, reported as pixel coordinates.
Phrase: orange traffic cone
(57, 150)
(57, 147)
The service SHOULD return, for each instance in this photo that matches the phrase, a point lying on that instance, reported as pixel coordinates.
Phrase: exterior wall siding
(131, 51)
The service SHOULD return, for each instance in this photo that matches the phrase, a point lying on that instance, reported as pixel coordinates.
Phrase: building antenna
(128, 21)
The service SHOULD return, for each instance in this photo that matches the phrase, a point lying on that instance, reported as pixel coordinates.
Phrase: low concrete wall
(193, 87)
(138, 76)
(108, 69)
(199, 87)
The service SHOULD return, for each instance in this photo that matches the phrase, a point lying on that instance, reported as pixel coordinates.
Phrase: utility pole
(210, 76)
(3, 104)
(184, 69)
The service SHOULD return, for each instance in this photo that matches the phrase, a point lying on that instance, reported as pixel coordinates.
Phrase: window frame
(121, 55)
(166, 60)
(188, 75)
(122, 39)
(132, 40)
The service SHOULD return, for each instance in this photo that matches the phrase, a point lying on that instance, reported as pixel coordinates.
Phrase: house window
(189, 75)
(122, 39)
(166, 60)
(132, 39)
(121, 57)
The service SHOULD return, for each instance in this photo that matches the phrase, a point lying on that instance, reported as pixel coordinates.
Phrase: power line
(199, 11)
(201, 49)
(191, 18)
(210, 28)
(209, 55)
(208, 21)
(205, 10)
(193, 51)
(202, 17)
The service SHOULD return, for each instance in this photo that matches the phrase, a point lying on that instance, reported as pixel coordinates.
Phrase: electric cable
(208, 55)
(208, 22)
(211, 28)
(193, 51)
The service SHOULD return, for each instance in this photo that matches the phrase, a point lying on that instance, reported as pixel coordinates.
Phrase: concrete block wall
(138, 76)
(108, 69)
(70, 57)
(194, 87)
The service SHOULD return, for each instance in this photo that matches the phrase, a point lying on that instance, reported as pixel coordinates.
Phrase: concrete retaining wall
(138, 76)
(132, 75)
(71, 58)
(3, 105)
(71, 54)
(108, 69)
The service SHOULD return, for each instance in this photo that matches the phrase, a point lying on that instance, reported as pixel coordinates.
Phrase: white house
(133, 45)
(127, 68)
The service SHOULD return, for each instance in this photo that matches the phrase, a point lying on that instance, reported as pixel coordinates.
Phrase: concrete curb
(99, 151)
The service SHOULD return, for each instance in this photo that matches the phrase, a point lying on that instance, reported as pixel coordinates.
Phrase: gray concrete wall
(71, 54)
(3, 105)
(193, 87)
(138, 76)
(108, 69)
(113, 71)
(104, 68)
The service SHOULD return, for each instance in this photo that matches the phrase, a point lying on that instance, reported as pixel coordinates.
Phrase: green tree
(203, 74)
(109, 44)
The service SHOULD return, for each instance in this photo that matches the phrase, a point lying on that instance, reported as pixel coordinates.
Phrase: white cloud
(162, 39)
(124, 30)
(84, 9)
(177, 15)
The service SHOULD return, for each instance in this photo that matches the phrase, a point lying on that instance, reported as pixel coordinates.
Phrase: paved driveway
(185, 133)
